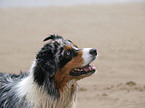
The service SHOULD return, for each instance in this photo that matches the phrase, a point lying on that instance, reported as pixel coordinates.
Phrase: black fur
(44, 71)
(65, 59)
(52, 36)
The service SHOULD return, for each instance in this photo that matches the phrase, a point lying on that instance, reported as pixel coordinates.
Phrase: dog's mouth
(87, 70)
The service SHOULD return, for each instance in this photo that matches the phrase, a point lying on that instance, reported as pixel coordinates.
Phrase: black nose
(93, 52)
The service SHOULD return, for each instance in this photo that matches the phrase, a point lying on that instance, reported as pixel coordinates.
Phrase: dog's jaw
(85, 70)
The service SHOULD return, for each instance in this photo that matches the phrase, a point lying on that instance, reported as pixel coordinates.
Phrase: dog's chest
(37, 98)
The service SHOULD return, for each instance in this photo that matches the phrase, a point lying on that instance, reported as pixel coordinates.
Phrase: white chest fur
(36, 97)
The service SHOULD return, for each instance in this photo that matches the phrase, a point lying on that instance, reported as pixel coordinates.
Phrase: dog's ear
(52, 36)
(46, 60)
(46, 63)
(45, 69)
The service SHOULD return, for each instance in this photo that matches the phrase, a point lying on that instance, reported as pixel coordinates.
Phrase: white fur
(87, 56)
(27, 87)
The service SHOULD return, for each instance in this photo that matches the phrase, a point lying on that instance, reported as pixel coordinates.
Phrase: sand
(116, 30)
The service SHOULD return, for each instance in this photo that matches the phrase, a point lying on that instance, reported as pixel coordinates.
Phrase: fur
(52, 79)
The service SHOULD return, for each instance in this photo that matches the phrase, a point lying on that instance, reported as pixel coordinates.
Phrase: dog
(52, 79)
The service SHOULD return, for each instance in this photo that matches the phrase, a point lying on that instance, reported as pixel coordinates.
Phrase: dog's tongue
(86, 68)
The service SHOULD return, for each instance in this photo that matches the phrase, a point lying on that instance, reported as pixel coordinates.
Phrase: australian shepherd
(52, 79)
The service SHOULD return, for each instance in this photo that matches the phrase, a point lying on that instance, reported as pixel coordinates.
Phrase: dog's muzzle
(89, 54)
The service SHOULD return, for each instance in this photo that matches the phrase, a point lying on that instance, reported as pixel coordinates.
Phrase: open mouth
(89, 69)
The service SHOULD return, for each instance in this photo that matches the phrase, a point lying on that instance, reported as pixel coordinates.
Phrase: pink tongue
(86, 69)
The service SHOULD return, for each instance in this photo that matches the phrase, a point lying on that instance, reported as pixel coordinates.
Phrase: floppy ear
(45, 69)
(52, 36)
(46, 61)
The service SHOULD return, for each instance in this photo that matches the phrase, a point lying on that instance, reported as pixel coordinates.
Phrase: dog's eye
(68, 54)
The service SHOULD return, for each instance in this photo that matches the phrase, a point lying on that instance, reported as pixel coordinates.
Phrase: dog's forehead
(63, 43)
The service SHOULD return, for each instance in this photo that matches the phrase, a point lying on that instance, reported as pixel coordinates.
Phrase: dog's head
(60, 61)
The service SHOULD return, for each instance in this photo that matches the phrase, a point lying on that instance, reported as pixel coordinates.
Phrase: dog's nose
(93, 52)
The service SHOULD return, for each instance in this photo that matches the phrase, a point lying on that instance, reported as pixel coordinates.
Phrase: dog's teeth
(76, 69)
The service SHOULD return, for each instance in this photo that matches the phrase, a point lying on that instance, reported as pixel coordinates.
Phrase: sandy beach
(117, 31)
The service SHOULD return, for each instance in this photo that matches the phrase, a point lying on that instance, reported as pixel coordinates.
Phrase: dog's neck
(68, 95)
(39, 97)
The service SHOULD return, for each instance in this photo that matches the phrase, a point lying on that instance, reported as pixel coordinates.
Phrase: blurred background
(37, 3)
(116, 28)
